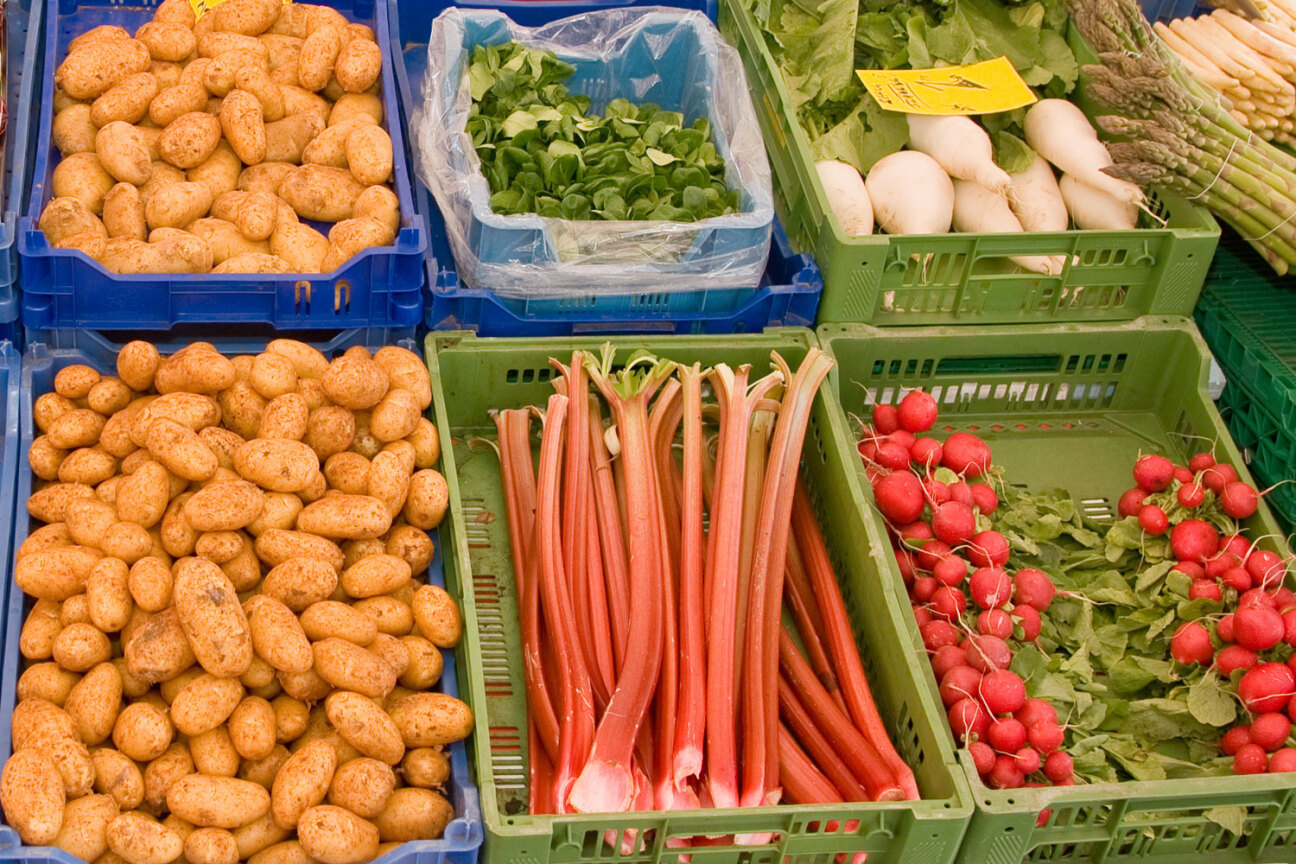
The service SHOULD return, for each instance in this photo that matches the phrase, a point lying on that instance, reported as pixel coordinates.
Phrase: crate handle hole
(302, 296)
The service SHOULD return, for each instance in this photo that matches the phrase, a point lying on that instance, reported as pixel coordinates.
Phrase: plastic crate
(65, 288)
(10, 380)
(463, 836)
(1267, 446)
(1165, 10)
(1102, 394)
(472, 376)
(966, 278)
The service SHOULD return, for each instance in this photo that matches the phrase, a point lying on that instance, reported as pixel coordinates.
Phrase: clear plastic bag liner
(670, 57)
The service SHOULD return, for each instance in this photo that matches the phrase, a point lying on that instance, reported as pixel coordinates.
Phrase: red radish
(1237, 546)
(951, 570)
(924, 587)
(990, 587)
(1200, 462)
(949, 603)
(1044, 815)
(1191, 495)
(985, 653)
(947, 657)
(916, 531)
(968, 720)
(1036, 711)
(1059, 766)
(983, 757)
(917, 411)
(927, 452)
(1003, 692)
(1267, 687)
(1270, 730)
(1283, 597)
(1218, 476)
(1153, 473)
(961, 682)
(1182, 474)
(1289, 626)
(1045, 737)
(1224, 628)
(899, 497)
(1131, 502)
(954, 523)
(1257, 597)
(1033, 588)
(1193, 540)
(1191, 644)
(868, 450)
(988, 549)
(1239, 500)
(1235, 739)
(1291, 706)
(1250, 759)
(1234, 657)
(1191, 569)
(922, 615)
(1204, 588)
(937, 634)
(1237, 578)
(1153, 520)
(936, 491)
(1283, 762)
(962, 493)
(1028, 760)
(1029, 620)
(886, 419)
(1219, 566)
(931, 554)
(894, 456)
(1005, 774)
(1265, 566)
(985, 498)
(967, 455)
(1007, 735)
(995, 622)
(905, 561)
(1258, 628)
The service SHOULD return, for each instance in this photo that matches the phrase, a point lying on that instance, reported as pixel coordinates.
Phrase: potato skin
(277, 636)
(141, 840)
(321, 193)
(346, 517)
(413, 814)
(213, 620)
(365, 726)
(362, 786)
(277, 464)
(217, 802)
(302, 782)
(333, 835)
(432, 719)
(31, 794)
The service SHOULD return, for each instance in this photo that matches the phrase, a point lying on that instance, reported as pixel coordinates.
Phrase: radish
(1059, 766)
(937, 634)
(911, 194)
(1265, 566)
(1236, 578)
(985, 653)
(983, 757)
(1200, 462)
(1233, 658)
(1239, 500)
(977, 210)
(1036, 199)
(967, 455)
(1028, 760)
(1131, 502)
(1094, 210)
(1258, 627)
(1060, 132)
(1033, 588)
(1205, 589)
(962, 493)
(1193, 540)
(1283, 762)
(1003, 692)
(919, 531)
(1224, 628)
(847, 196)
(968, 719)
(932, 553)
(995, 622)
(1007, 735)
(990, 587)
(947, 657)
(885, 419)
(948, 603)
(1270, 730)
(1153, 473)
(988, 549)
(1191, 644)
(903, 437)
(1036, 711)
(922, 616)
(961, 147)
(1005, 774)
(1182, 474)
(868, 451)
(1217, 566)
(1153, 520)
(1029, 619)
(1045, 737)
(1237, 546)
(951, 570)
(1250, 759)
(893, 456)
(917, 411)
(1218, 476)
(936, 491)
(908, 570)
(928, 453)
(923, 588)
(1235, 739)
(1191, 495)
(985, 497)
(1191, 569)
(954, 523)
(1284, 598)
(1257, 597)
(899, 497)
(961, 682)
(1267, 687)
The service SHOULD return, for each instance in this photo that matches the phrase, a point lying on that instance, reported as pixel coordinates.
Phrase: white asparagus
(1201, 41)
(1279, 32)
(1189, 54)
(1255, 38)
(1244, 54)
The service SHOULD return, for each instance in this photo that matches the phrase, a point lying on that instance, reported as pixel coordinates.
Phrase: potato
(349, 667)
(84, 833)
(347, 472)
(253, 262)
(126, 102)
(211, 616)
(166, 73)
(108, 596)
(224, 506)
(345, 517)
(266, 177)
(437, 616)
(152, 138)
(188, 409)
(65, 218)
(263, 771)
(349, 238)
(381, 204)
(181, 828)
(353, 106)
(70, 758)
(31, 794)
(142, 732)
(285, 417)
(179, 204)
(123, 153)
(211, 846)
(252, 728)
(163, 771)
(102, 33)
(158, 649)
(82, 176)
(315, 490)
(375, 575)
(277, 636)
(414, 814)
(85, 465)
(280, 512)
(391, 615)
(362, 786)
(298, 100)
(142, 497)
(425, 768)
(425, 663)
(369, 154)
(219, 802)
(46, 681)
(277, 464)
(205, 703)
(90, 69)
(198, 368)
(48, 407)
(257, 81)
(219, 172)
(306, 686)
(221, 74)
(302, 782)
(80, 646)
(36, 720)
(139, 839)
(358, 65)
(172, 42)
(127, 541)
(330, 430)
(333, 835)
(175, 12)
(180, 450)
(249, 17)
(243, 123)
(123, 213)
(277, 546)
(288, 138)
(36, 640)
(319, 54)
(329, 147)
(56, 574)
(299, 582)
(74, 130)
(225, 240)
(257, 216)
(428, 497)
(214, 43)
(187, 97)
(365, 726)
(432, 719)
(219, 547)
(316, 192)
(118, 777)
(242, 408)
(94, 701)
(187, 142)
(213, 753)
(74, 611)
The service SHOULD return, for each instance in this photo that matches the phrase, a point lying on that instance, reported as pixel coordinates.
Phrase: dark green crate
(471, 376)
(966, 278)
(1267, 445)
(1072, 406)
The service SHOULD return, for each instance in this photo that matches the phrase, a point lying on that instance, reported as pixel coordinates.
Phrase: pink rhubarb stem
(827, 759)
(608, 517)
(690, 728)
(803, 783)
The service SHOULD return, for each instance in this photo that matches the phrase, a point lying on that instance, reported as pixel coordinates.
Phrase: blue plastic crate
(10, 379)
(463, 836)
(65, 288)
(1165, 10)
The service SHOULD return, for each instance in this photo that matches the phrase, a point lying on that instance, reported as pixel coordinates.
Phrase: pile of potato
(231, 643)
(197, 146)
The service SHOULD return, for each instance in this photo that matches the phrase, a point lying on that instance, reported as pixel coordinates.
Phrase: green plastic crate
(1268, 447)
(471, 376)
(966, 278)
(1072, 406)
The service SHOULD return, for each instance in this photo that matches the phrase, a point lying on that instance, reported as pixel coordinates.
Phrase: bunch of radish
(969, 609)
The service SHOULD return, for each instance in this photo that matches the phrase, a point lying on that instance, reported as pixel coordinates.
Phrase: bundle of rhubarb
(654, 557)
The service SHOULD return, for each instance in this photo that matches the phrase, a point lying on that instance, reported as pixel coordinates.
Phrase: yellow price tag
(983, 88)
(202, 7)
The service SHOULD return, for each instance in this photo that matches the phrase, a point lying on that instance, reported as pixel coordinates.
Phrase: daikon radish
(977, 210)
(1094, 210)
(847, 195)
(911, 194)
(959, 146)
(1036, 200)
(1060, 132)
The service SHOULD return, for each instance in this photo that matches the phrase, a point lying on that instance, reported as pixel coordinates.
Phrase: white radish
(977, 210)
(1036, 199)
(960, 146)
(911, 194)
(1060, 132)
(1094, 210)
(847, 196)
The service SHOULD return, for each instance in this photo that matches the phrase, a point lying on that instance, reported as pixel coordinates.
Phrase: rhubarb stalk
(833, 765)
(608, 516)
(762, 427)
(691, 724)
(803, 783)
